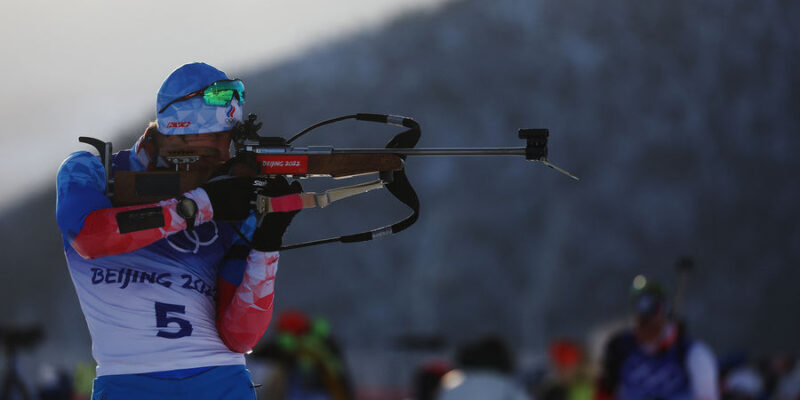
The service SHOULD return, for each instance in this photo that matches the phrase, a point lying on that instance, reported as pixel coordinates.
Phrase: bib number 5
(163, 320)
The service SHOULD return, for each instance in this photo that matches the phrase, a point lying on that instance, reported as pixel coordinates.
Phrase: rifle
(276, 156)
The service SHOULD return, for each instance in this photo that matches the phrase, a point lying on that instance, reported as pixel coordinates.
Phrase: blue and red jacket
(161, 298)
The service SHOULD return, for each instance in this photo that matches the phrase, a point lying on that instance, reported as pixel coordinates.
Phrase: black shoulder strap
(399, 187)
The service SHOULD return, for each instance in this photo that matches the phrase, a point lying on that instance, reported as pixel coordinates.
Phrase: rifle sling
(399, 187)
(299, 201)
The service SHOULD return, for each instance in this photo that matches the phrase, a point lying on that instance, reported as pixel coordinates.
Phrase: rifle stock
(144, 187)
(332, 165)
(133, 188)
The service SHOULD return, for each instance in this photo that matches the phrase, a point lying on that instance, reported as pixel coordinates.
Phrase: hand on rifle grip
(231, 198)
(269, 234)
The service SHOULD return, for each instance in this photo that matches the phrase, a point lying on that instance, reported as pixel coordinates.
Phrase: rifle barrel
(462, 151)
(465, 151)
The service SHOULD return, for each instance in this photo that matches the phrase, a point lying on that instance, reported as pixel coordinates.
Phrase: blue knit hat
(194, 116)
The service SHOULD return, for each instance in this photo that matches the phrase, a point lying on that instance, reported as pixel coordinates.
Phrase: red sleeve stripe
(100, 235)
(244, 314)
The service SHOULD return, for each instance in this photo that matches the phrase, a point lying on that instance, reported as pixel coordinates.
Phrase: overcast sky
(92, 67)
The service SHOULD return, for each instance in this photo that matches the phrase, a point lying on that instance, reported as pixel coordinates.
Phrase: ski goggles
(219, 93)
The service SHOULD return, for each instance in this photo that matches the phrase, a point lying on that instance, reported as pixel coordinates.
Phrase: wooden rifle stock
(132, 188)
(337, 165)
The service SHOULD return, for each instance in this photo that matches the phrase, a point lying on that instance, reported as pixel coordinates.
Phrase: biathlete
(173, 298)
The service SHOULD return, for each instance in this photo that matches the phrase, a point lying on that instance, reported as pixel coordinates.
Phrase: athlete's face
(219, 141)
(213, 149)
(649, 328)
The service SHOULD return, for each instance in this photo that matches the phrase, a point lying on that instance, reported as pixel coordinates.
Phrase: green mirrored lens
(218, 97)
(220, 93)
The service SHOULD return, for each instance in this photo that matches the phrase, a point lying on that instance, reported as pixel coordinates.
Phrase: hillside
(681, 119)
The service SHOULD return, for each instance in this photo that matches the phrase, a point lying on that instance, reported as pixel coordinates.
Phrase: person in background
(743, 383)
(427, 378)
(569, 377)
(309, 363)
(785, 371)
(174, 292)
(485, 371)
(656, 359)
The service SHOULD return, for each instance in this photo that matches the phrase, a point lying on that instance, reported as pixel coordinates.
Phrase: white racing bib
(153, 309)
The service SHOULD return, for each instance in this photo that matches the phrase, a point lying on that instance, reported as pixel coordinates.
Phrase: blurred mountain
(681, 119)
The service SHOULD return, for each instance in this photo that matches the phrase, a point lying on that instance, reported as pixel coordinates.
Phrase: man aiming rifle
(172, 298)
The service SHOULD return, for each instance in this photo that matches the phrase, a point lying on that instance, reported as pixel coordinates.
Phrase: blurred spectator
(774, 369)
(656, 359)
(788, 387)
(83, 378)
(485, 372)
(569, 377)
(428, 377)
(743, 383)
(14, 339)
(54, 383)
(308, 360)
